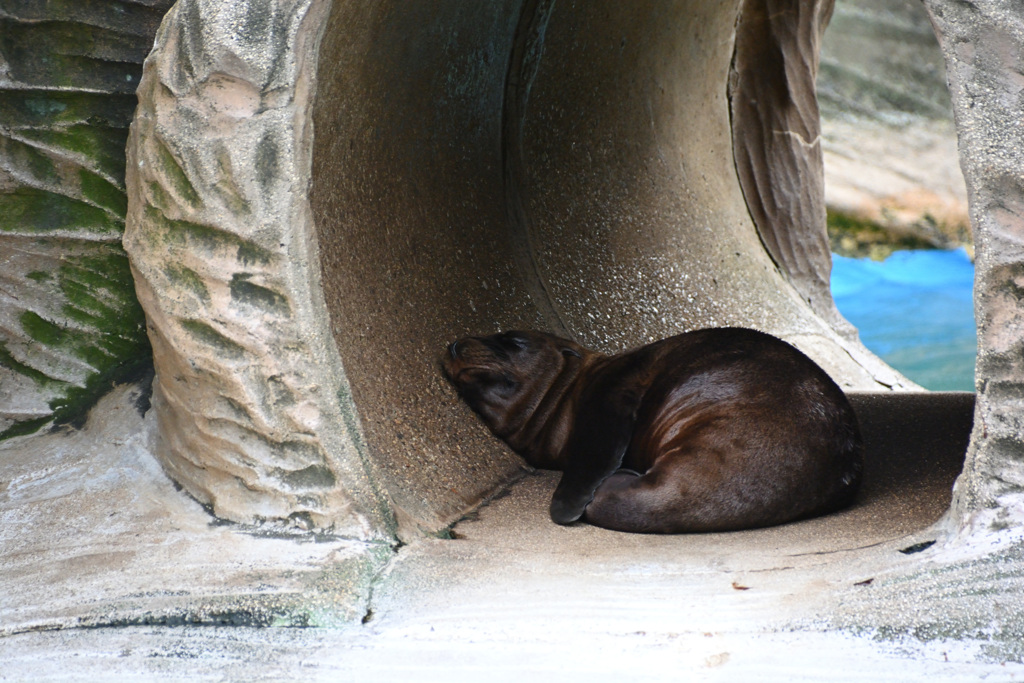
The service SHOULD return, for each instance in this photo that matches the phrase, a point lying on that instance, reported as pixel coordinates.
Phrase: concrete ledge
(108, 571)
(94, 535)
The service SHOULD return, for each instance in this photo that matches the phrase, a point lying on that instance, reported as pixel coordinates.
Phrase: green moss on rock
(71, 55)
(31, 210)
(100, 323)
(41, 330)
(249, 254)
(176, 175)
(74, 68)
(205, 334)
(100, 147)
(203, 238)
(54, 110)
(25, 427)
(8, 361)
(849, 235)
(246, 292)
(188, 279)
(103, 193)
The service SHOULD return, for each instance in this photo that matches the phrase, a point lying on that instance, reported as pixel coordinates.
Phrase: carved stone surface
(254, 413)
(70, 324)
(777, 141)
(983, 43)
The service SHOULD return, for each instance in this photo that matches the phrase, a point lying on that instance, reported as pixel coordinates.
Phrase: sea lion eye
(571, 352)
(516, 341)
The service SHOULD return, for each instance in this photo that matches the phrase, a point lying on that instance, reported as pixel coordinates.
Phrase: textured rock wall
(880, 59)
(887, 124)
(983, 44)
(252, 405)
(70, 324)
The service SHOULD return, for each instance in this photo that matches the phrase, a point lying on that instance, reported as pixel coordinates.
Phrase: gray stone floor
(107, 572)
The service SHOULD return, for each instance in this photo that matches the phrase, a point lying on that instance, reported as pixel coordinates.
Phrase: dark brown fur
(712, 430)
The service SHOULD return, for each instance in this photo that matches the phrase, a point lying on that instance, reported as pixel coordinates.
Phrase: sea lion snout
(466, 352)
(476, 364)
(516, 352)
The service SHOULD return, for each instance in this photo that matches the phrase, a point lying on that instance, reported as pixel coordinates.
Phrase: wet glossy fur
(712, 430)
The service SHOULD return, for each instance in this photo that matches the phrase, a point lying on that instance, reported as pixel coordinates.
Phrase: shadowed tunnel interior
(616, 173)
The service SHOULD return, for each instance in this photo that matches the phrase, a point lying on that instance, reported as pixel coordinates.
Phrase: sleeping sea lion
(712, 430)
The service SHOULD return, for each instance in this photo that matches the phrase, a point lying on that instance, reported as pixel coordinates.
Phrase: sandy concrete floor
(107, 572)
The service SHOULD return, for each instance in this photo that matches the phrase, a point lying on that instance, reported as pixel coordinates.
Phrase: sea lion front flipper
(600, 436)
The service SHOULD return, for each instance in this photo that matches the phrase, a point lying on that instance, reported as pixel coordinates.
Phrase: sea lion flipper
(566, 509)
(600, 436)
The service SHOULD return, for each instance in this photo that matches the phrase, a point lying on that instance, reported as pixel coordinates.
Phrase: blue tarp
(915, 310)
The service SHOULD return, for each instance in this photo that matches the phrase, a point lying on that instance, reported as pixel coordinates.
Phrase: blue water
(915, 310)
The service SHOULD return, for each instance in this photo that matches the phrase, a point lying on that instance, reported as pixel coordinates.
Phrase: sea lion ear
(571, 352)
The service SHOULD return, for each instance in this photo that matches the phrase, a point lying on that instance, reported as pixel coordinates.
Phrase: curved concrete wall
(408, 201)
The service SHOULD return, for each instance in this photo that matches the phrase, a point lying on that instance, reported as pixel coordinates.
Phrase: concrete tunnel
(322, 195)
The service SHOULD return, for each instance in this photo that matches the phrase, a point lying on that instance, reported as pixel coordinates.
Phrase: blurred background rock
(892, 174)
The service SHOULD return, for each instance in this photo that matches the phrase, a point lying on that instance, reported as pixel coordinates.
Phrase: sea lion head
(504, 377)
